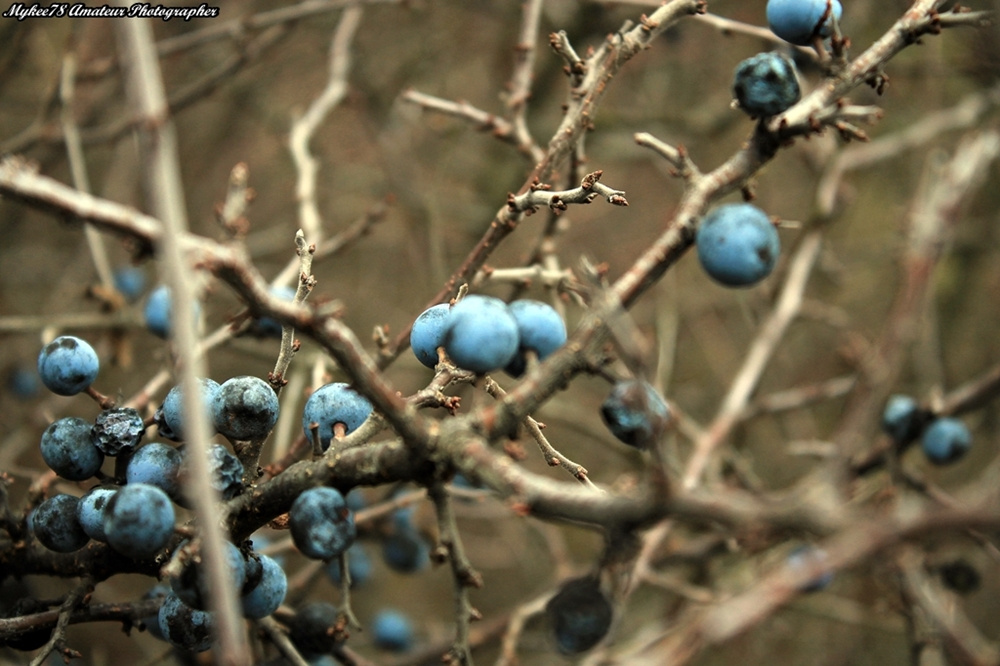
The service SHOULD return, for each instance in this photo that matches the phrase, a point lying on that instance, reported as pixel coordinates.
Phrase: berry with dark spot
(738, 245)
(765, 85)
(139, 520)
(158, 465)
(245, 408)
(69, 451)
(68, 365)
(56, 526)
(191, 583)
(321, 523)
(902, 419)
(635, 413)
(185, 627)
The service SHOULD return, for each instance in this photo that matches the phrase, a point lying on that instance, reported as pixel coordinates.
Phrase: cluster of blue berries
(766, 84)
(483, 334)
(944, 440)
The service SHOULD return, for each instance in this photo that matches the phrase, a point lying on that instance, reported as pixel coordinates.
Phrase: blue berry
(68, 365)
(405, 550)
(23, 383)
(158, 312)
(118, 430)
(427, 334)
(332, 404)
(946, 440)
(359, 566)
(902, 419)
(56, 526)
(540, 330)
(158, 465)
(264, 598)
(765, 84)
(634, 412)
(322, 526)
(266, 327)
(69, 451)
(186, 627)
(808, 556)
(130, 281)
(392, 630)
(580, 614)
(245, 408)
(139, 520)
(152, 622)
(170, 416)
(191, 584)
(314, 628)
(738, 245)
(481, 334)
(227, 471)
(90, 511)
(802, 21)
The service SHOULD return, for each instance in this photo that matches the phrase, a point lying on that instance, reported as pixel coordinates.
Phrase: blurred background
(443, 181)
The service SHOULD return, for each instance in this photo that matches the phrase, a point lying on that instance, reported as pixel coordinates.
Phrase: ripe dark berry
(191, 584)
(902, 419)
(802, 21)
(321, 523)
(265, 597)
(118, 430)
(634, 412)
(314, 628)
(90, 511)
(139, 520)
(68, 365)
(186, 627)
(540, 329)
(392, 630)
(946, 440)
(738, 245)
(580, 614)
(332, 404)
(158, 465)
(481, 334)
(56, 526)
(69, 451)
(427, 334)
(245, 408)
(765, 84)
(170, 416)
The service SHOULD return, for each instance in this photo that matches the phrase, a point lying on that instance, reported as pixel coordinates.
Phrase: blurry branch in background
(162, 174)
(303, 128)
